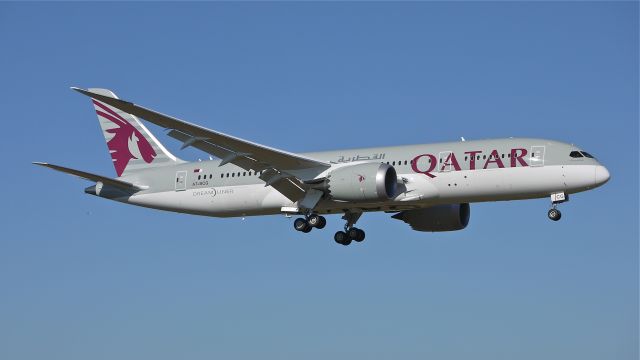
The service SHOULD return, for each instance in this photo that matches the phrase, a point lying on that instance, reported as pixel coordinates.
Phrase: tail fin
(131, 145)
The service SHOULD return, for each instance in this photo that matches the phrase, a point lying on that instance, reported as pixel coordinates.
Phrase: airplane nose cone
(602, 175)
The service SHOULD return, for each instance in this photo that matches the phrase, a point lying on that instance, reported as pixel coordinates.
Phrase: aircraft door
(537, 156)
(181, 180)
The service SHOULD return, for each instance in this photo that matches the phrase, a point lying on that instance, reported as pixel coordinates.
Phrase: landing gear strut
(557, 198)
(350, 232)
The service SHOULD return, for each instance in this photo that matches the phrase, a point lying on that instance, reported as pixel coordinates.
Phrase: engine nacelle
(448, 217)
(363, 182)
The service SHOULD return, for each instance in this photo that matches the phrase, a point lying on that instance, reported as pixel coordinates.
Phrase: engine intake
(448, 217)
(363, 182)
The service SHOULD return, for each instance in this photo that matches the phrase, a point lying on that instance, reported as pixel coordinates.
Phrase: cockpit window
(586, 154)
(575, 154)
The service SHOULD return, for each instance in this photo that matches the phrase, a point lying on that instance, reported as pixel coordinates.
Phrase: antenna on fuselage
(462, 138)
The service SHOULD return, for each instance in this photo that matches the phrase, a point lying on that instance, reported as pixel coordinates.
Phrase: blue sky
(81, 277)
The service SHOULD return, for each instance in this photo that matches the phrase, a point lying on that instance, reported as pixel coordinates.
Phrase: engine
(437, 218)
(362, 182)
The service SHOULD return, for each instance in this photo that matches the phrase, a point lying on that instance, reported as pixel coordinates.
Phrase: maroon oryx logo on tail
(127, 142)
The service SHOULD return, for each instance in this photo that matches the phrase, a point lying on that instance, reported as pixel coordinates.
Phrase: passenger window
(503, 156)
(227, 174)
(394, 163)
(198, 177)
(405, 162)
(244, 173)
(575, 154)
(221, 176)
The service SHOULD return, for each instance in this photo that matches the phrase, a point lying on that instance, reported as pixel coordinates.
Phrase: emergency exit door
(181, 180)
(537, 156)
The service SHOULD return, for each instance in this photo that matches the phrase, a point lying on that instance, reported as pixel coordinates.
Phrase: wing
(277, 166)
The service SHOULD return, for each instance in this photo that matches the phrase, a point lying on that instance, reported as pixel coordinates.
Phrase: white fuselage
(474, 177)
(449, 188)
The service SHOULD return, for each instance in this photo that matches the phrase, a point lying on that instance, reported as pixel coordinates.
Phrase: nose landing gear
(556, 198)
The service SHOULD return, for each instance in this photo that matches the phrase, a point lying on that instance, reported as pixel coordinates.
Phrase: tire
(554, 214)
(323, 223)
(315, 220)
(353, 233)
(301, 224)
(360, 236)
(341, 238)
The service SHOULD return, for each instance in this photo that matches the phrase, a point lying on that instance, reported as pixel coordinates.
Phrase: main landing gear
(307, 223)
(345, 237)
(557, 198)
(350, 232)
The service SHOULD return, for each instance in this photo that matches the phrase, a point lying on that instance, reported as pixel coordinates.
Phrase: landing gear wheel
(356, 234)
(342, 238)
(301, 224)
(317, 221)
(323, 223)
(554, 214)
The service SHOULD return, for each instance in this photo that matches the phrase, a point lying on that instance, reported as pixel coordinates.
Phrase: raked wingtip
(81, 90)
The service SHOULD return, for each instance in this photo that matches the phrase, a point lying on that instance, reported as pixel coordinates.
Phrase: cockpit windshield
(580, 154)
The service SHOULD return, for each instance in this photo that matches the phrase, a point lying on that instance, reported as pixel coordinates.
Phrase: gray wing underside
(276, 165)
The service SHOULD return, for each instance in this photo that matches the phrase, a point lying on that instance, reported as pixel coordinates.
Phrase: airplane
(428, 186)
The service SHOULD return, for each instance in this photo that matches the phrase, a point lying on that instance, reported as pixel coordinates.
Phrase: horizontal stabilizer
(93, 177)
